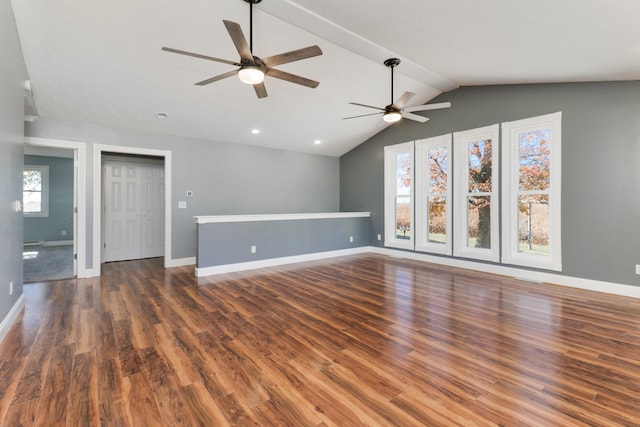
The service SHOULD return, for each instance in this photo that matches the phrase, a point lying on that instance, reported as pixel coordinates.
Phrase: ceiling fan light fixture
(251, 75)
(391, 116)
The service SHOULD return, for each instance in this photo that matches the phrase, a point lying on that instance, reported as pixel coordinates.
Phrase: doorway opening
(55, 234)
(102, 153)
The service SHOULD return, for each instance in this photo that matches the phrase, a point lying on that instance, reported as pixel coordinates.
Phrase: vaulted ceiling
(102, 63)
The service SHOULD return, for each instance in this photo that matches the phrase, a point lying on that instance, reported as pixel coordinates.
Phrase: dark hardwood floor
(358, 341)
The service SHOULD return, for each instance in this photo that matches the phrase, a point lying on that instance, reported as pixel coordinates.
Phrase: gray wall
(225, 178)
(230, 243)
(60, 202)
(600, 165)
(12, 76)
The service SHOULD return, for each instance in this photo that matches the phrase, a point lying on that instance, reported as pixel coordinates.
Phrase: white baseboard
(521, 274)
(11, 317)
(50, 243)
(272, 262)
(180, 262)
(58, 243)
(537, 277)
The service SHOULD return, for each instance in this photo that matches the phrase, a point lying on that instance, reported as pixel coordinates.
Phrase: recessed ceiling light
(255, 131)
(317, 142)
(161, 116)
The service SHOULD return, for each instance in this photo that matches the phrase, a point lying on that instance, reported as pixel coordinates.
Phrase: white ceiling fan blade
(428, 107)
(414, 117)
(403, 100)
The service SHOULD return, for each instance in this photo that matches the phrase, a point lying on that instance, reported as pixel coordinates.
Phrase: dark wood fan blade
(197, 55)
(216, 78)
(239, 41)
(428, 107)
(368, 106)
(294, 55)
(403, 100)
(261, 90)
(362, 115)
(282, 75)
(414, 117)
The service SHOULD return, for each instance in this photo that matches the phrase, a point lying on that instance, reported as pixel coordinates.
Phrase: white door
(152, 210)
(133, 207)
(121, 207)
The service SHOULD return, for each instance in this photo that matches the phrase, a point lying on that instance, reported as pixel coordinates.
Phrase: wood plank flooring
(359, 341)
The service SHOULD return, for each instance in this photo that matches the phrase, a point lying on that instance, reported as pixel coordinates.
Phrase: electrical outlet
(253, 249)
(11, 287)
(637, 268)
(64, 232)
(379, 236)
(351, 239)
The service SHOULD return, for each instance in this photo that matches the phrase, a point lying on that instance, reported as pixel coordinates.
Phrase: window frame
(390, 195)
(461, 192)
(44, 192)
(422, 183)
(511, 192)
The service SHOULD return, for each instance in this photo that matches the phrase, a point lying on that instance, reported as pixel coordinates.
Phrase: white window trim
(422, 192)
(510, 169)
(390, 174)
(461, 182)
(44, 201)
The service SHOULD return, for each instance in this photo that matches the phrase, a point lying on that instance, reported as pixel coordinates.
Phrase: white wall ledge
(278, 217)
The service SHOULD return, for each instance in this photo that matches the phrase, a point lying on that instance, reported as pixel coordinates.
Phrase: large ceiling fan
(252, 68)
(397, 110)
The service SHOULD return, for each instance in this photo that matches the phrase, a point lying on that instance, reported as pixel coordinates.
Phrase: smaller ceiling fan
(252, 68)
(397, 110)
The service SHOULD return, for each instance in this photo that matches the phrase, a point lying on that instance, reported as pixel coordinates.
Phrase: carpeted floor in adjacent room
(44, 263)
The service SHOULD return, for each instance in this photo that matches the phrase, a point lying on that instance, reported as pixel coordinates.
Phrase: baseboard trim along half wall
(272, 262)
(536, 277)
(11, 317)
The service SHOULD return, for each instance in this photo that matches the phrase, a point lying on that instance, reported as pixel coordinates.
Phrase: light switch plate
(182, 204)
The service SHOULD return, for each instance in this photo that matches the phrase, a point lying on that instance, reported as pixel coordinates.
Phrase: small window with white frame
(433, 194)
(531, 165)
(35, 190)
(476, 215)
(398, 196)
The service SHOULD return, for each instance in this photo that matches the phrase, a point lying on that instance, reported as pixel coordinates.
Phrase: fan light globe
(251, 75)
(391, 116)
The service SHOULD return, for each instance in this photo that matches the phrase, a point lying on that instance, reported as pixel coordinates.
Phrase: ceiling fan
(252, 68)
(397, 110)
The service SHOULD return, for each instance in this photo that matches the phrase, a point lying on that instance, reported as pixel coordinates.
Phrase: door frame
(79, 194)
(98, 150)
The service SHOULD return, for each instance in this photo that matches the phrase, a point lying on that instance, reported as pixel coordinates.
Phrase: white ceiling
(101, 63)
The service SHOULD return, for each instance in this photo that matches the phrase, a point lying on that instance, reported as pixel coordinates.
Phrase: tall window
(531, 200)
(35, 190)
(399, 195)
(476, 215)
(433, 195)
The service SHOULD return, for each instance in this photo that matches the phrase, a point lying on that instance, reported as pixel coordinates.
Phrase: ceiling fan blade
(414, 117)
(216, 78)
(294, 55)
(282, 75)
(403, 100)
(368, 106)
(197, 55)
(261, 90)
(362, 115)
(428, 107)
(238, 39)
